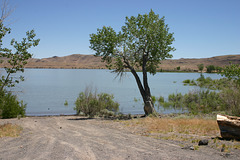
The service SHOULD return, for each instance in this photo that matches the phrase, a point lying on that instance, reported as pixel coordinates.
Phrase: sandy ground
(76, 138)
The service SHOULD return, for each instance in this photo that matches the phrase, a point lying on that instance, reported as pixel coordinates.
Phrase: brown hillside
(92, 62)
(72, 61)
(191, 64)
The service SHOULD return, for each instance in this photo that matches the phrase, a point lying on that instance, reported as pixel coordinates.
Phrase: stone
(203, 142)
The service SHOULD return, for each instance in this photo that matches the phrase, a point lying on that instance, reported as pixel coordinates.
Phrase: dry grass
(194, 126)
(185, 130)
(9, 130)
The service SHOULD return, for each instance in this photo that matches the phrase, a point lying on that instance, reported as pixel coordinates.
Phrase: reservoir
(46, 90)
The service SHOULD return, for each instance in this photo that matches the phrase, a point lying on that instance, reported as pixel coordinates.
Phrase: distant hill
(79, 61)
(72, 61)
(191, 64)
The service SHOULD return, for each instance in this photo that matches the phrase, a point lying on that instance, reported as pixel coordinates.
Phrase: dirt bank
(73, 137)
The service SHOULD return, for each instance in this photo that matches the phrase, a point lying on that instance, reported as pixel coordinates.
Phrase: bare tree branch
(6, 10)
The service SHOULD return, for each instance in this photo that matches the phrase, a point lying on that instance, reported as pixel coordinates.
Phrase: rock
(191, 148)
(188, 148)
(203, 142)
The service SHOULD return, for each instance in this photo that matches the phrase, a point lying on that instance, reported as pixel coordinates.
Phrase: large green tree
(143, 42)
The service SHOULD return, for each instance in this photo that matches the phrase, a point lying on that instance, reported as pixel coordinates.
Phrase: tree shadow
(226, 139)
(80, 119)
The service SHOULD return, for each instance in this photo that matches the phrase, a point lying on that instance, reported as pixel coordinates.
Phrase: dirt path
(75, 138)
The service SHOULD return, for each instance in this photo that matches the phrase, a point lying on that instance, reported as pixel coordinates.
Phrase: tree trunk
(144, 89)
(146, 95)
(149, 107)
(148, 104)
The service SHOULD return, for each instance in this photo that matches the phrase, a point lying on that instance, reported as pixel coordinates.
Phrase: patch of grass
(196, 147)
(10, 130)
(183, 129)
(186, 126)
(194, 126)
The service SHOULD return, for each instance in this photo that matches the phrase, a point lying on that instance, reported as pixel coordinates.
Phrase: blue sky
(202, 28)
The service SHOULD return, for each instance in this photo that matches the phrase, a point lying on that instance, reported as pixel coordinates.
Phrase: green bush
(175, 100)
(154, 99)
(202, 101)
(90, 103)
(161, 99)
(230, 100)
(187, 81)
(208, 83)
(210, 68)
(10, 107)
(205, 101)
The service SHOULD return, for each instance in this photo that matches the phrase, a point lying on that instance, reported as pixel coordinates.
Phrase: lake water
(46, 90)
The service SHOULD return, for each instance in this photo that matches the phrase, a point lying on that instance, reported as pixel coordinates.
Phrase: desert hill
(72, 61)
(77, 61)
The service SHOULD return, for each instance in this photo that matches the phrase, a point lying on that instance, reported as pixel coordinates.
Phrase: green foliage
(210, 68)
(230, 99)
(10, 107)
(16, 60)
(202, 101)
(143, 38)
(226, 99)
(200, 67)
(161, 99)
(218, 69)
(187, 81)
(208, 83)
(175, 100)
(90, 103)
(178, 68)
(154, 99)
(66, 103)
(232, 72)
(194, 102)
(107, 113)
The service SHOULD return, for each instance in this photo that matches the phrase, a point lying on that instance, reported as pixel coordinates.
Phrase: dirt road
(76, 138)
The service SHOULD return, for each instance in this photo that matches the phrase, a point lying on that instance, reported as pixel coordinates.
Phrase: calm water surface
(46, 90)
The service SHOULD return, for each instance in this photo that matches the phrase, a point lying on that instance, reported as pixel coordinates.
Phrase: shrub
(202, 101)
(176, 99)
(210, 68)
(90, 103)
(230, 100)
(232, 72)
(161, 99)
(154, 99)
(10, 107)
(200, 67)
(187, 81)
